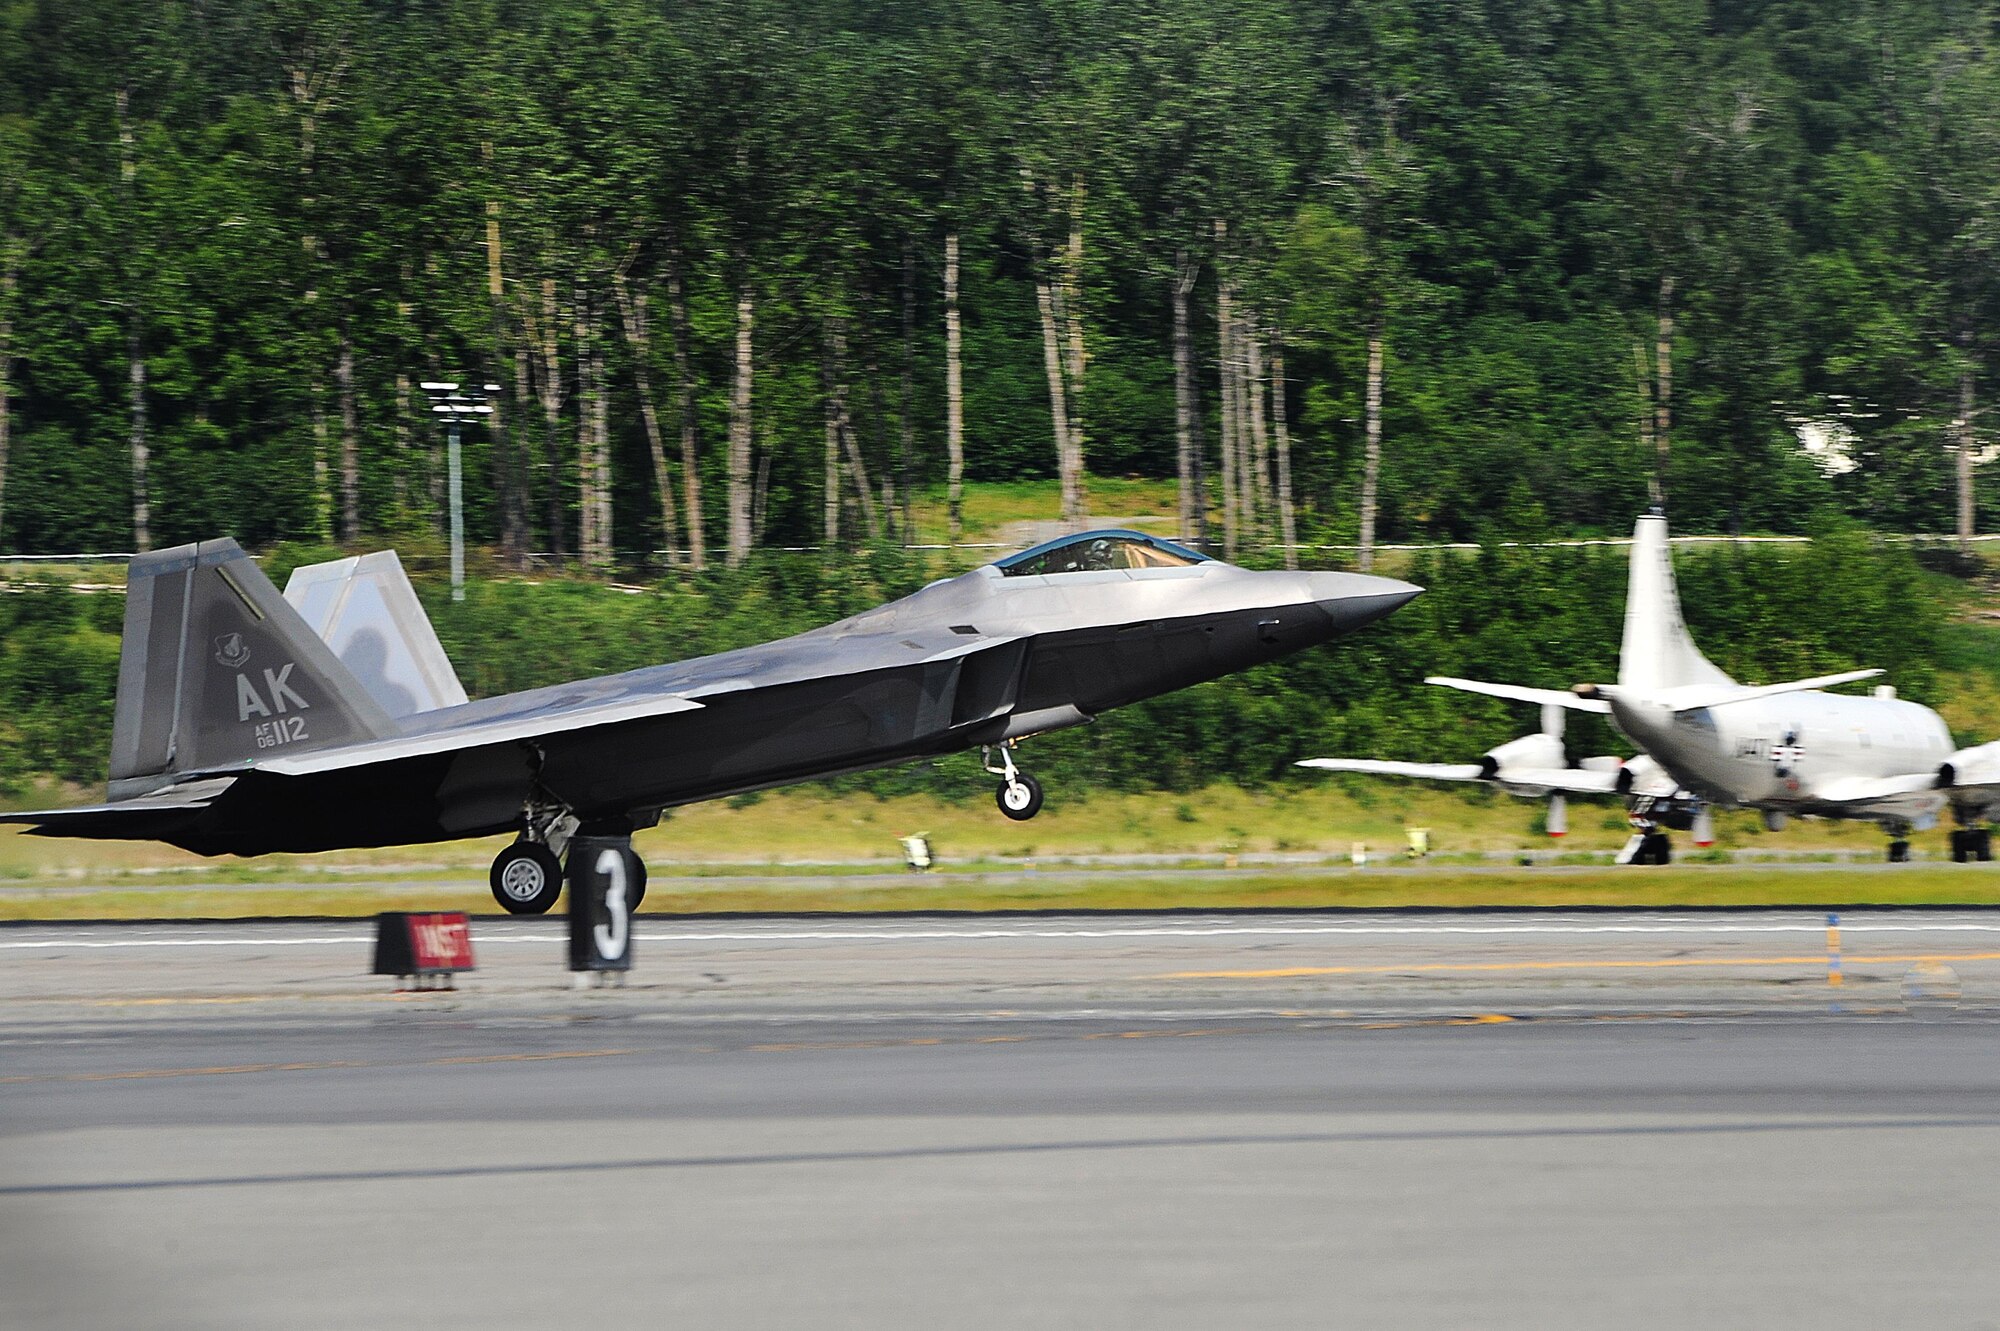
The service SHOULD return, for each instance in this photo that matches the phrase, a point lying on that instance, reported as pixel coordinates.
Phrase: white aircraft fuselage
(1777, 752)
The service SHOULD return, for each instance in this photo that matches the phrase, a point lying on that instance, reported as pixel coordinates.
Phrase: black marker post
(604, 885)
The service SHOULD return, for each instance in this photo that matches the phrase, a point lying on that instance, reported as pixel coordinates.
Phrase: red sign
(440, 941)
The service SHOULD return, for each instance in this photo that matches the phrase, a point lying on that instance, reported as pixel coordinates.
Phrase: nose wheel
(1020, 798)
(1019, 795)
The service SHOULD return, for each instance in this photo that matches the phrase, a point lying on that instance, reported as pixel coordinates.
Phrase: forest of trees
(755, 272)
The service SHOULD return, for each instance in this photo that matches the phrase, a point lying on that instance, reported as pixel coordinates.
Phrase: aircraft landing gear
(1647, 847)
(527, 878)
(1019, 795)
(1899, 851)
(1648, 844)
(1971, 843)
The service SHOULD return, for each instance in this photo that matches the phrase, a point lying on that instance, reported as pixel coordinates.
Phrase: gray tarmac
(1261, 1120)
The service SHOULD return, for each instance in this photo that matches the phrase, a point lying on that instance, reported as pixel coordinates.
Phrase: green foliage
(273, 217)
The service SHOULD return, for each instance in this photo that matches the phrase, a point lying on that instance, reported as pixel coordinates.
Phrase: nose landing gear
(1019, 795)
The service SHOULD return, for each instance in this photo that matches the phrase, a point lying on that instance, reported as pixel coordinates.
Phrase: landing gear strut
(527, 877)
(1971, 843)
(1648, 844)
(1019, 795)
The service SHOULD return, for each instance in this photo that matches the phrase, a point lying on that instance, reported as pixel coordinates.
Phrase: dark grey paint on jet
(238, 731)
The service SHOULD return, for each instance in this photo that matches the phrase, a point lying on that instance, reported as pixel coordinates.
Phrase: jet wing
(1694, 698)
(1522, 693)
(479, 734)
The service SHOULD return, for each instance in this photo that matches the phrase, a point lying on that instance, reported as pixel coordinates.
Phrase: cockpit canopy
(1097, 551)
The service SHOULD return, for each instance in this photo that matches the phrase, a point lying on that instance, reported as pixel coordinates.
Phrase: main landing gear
(1648, 844)
(1019, 795)
(527, 876)
(1647, 848)
(1899, 840)
(1971, 843)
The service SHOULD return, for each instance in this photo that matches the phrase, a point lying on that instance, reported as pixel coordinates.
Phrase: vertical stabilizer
(216, 668)
(364, 608)
(1657, 652)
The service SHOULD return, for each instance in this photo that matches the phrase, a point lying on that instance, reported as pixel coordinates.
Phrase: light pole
(455, 409)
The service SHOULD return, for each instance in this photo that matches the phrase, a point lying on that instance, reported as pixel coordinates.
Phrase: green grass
(1442, 886)
(1311, 814)
(801, 851)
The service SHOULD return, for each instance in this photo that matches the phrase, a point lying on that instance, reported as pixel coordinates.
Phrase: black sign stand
(604, 877)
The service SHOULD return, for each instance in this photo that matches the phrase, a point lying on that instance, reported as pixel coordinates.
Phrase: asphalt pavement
(1495, 1120)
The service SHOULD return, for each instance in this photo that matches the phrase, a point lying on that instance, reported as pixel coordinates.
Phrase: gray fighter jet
(328, 717)
(1709, 742)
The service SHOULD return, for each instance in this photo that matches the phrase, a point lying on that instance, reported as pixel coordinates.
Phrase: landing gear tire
(1899, 852)
(527, 878)
(1019, 798)
(1654, 848)
(1961, 844)
(635, 891)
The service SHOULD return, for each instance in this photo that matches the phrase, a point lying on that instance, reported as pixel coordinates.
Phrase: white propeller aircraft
(1708, 742)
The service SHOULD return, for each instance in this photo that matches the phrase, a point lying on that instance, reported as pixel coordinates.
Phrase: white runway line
(501, 936)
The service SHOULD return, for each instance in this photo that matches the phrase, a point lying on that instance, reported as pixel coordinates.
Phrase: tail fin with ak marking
(217, 670)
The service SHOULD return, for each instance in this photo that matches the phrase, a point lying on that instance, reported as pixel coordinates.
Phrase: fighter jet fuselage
(241, 729)
(979, 659)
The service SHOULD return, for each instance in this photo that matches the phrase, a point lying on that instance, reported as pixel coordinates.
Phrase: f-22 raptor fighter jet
(328, 717)
(1709, 742)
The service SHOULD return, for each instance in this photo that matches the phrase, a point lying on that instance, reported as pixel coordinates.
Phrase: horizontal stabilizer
(1694, 699)
(1421, 771)
(146, 817)
(1522, 693)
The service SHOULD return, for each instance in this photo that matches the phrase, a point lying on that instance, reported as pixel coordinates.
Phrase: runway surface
(1586, 1120)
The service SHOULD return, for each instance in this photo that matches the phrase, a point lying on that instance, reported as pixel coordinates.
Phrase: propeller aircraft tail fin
(1657, 651)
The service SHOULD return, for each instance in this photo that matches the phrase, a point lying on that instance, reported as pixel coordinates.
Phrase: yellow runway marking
(136, 1074)
(1650, 963)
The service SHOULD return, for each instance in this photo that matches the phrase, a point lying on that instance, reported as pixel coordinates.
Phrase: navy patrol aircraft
(1708, 742)
(328, 717)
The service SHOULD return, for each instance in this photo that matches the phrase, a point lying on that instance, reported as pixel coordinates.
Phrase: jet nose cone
(1353, 600)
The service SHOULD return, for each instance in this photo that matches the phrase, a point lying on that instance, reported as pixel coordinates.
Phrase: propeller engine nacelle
(1543, 751)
